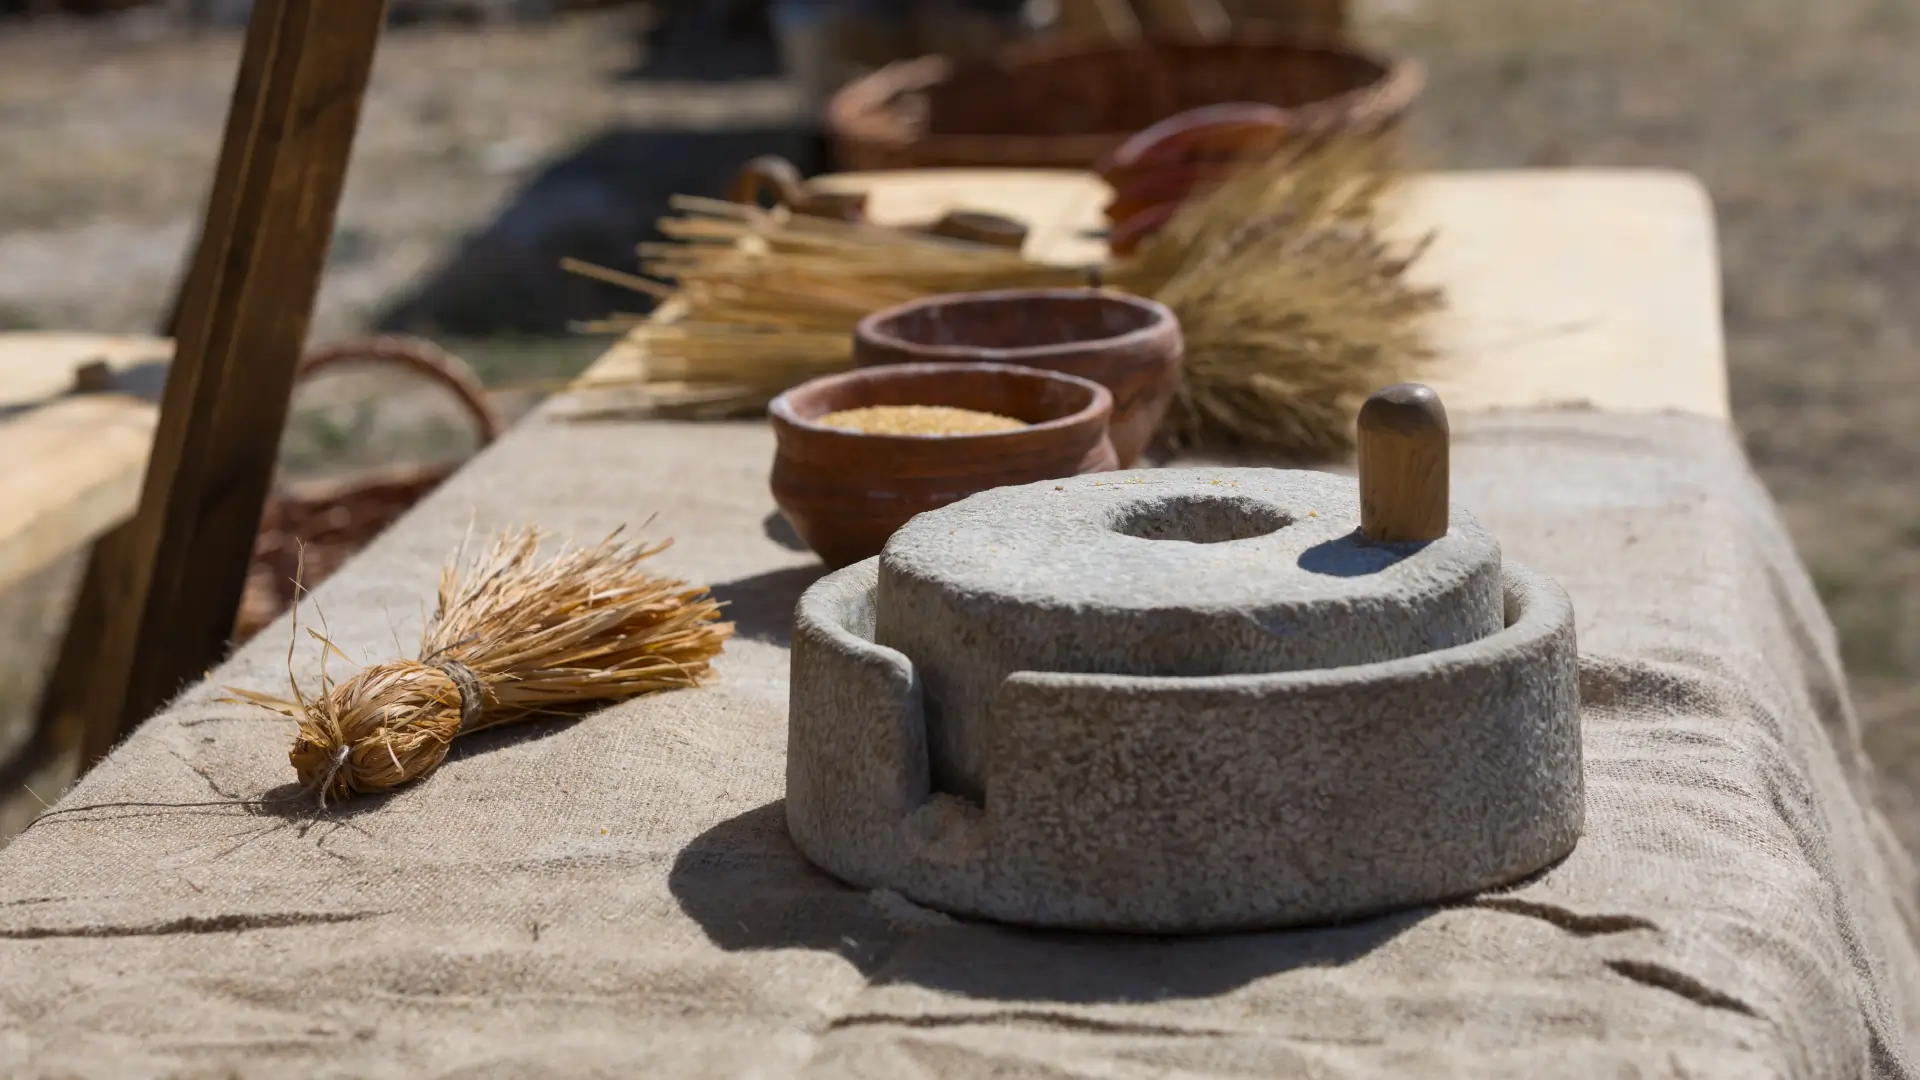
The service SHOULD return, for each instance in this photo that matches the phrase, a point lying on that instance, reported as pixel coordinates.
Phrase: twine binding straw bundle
(511, 639)
(1293, 305)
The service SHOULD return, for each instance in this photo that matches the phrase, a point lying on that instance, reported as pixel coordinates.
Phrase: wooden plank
(1598, 288)
(243, 321)
(71, 472)
(70, 467)
(1062, 208)
(35, 366)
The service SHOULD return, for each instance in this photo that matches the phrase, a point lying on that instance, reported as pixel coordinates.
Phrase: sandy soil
(1798, 116)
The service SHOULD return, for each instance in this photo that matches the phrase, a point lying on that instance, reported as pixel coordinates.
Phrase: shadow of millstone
(751, 890)
(595, 204)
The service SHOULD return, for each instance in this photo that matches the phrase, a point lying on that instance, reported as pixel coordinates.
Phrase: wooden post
(1405, 472)
(242, 324)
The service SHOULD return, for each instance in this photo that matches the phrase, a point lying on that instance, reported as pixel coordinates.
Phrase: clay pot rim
(1253, 115)
(881, 121)
(1160, 318)
(1098, 410)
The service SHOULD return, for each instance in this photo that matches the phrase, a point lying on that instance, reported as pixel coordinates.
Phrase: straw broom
(512, 638)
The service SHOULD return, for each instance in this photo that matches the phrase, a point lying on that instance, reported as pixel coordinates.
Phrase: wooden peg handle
(1404, 465)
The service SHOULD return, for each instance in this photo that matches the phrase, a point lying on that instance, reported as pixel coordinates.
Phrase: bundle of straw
(511, 639)
(768, 299)
(1292, 305)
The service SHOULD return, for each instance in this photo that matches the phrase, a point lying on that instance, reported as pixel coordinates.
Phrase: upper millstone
(1171, 572)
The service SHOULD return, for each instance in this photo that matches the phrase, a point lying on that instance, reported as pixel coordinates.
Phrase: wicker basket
(312, 528)
(1056, 105)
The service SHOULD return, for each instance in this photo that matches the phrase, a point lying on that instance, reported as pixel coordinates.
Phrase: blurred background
(502, 135)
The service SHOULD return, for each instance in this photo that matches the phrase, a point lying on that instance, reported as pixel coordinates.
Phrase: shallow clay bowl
(1127, 344)
(846, 491)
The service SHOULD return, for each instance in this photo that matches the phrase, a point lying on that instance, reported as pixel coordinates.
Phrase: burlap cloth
(616, 896)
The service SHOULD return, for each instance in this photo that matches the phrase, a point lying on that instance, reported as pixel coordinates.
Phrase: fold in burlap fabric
(615, 896)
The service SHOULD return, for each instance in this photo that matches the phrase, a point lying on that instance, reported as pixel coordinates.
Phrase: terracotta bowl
(1127, 344)
(846, 492)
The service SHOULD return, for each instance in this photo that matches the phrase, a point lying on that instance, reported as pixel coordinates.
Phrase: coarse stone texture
(1177, 572)
(1183, 779)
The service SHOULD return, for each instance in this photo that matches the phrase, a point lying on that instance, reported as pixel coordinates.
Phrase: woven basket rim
(884, 115)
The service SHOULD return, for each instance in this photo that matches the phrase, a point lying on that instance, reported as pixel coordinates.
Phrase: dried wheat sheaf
(1293, 300)
(512, 638)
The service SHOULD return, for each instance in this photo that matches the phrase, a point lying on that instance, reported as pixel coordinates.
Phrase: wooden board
(35, 366)
(1593, 288)
(70, 468)
(71, 472)
(1570, 286)
(1062, 208)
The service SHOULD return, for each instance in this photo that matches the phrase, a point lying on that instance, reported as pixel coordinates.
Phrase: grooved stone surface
(1181, 700)
(1173, 572)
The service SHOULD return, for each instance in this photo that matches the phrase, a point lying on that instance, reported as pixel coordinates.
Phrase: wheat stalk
(512, 638)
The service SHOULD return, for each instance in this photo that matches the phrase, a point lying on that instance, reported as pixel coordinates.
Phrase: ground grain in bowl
(919, 420)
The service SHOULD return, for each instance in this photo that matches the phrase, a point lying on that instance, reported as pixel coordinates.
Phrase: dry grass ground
(1799, 116)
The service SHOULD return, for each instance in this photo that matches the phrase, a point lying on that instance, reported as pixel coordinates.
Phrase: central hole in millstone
(1200, 519)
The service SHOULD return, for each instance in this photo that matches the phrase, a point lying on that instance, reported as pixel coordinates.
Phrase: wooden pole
(1405, 471)
(243, 318)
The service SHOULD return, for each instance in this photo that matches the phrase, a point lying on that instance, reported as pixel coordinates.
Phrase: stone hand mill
(1198, 699)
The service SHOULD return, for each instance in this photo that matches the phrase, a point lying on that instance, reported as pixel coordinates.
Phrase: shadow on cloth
(761, 606)
(749, 888)
(481, 742)
(779, 530)
(295, 804)
(594, 203)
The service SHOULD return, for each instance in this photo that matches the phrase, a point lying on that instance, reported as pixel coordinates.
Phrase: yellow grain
(919, 420)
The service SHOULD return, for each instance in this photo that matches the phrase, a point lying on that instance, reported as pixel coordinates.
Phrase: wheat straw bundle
(766, 299)
(1292, 304)
(512, 638)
